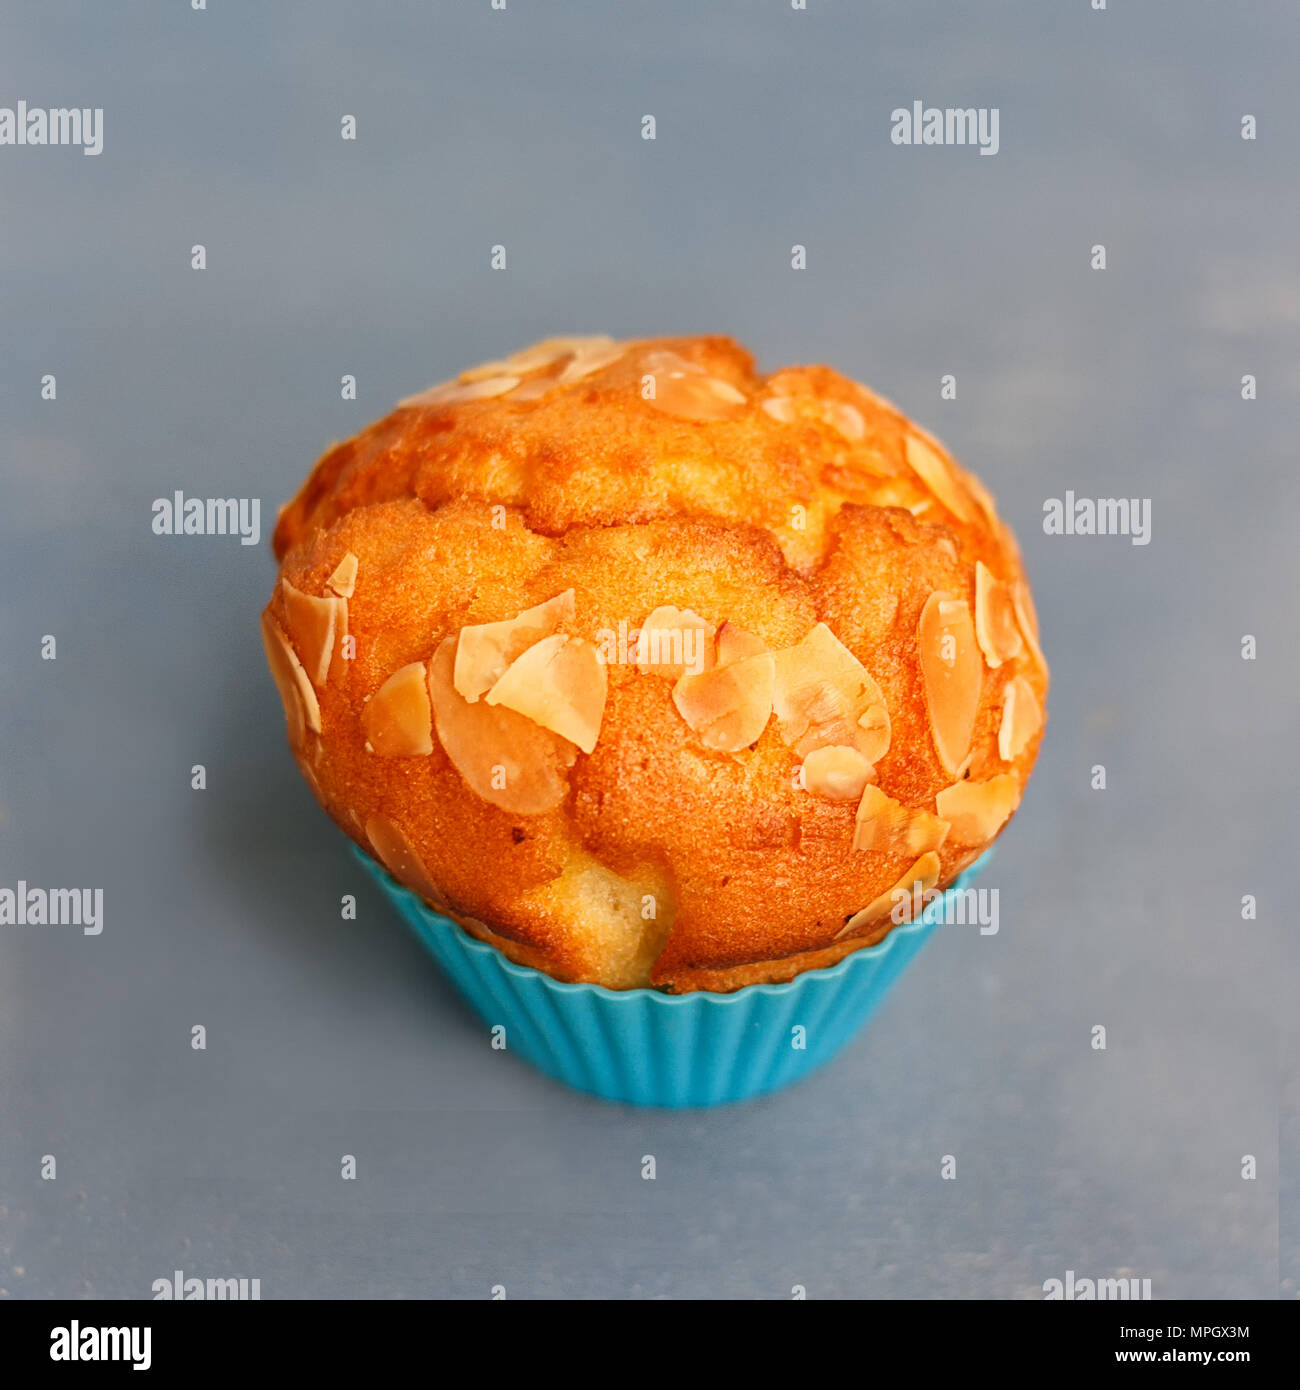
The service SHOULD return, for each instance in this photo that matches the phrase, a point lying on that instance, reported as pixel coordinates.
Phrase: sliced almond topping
(674, 642)
(301, 709)
(824, 696)
(1028, 619)
(887, 825)
(788, 383)
(697, 398)
(559, 683)
(735, 644)
(340, 635)
(729, 706)
(1021, 719)
(484, 372)
(995, 618)
(933, 471)
(400, 857)
(951, 672)
(484, 651)
(313, 624)
(725, 391)
(920, 878)
(781, 408)
(453, 392)
(344, 579)
(551, 350)
(662, 362)
(590, 360)
(503, 757)
(397, 718)
(874, 724)
(534, 388)
(838, 772)
(847, 419)
(839, 415)
(978, 810)
(983, 498)
(684, 389)
(586, 355)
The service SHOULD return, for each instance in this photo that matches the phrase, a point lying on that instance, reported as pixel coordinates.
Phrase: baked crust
(802, 499)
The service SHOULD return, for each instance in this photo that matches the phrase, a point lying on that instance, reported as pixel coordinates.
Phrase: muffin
(652, 672)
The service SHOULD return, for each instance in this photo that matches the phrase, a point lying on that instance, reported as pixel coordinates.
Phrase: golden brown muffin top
(650, 669)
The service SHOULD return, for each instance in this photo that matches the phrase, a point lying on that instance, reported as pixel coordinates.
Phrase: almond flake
(484, 372)
(781, 408)
(933, 471)
(697, 398)
(735, 644)
(839, 415)
(995, 618)
(534, 388)
(312, 623)
(344, 579)
(454, 392)
(886, 825)
(978, 810)
(504, 758)
(874, 723)
(588, 361)
(559, 683)
(1021, 719)
(1027, 619)
(983, 499)
(663, 362)
(674, 642)
(484, 651)
(951, 673)
(397, 720)
(920, 878)
(725, 391)
(585, 355)
(301, 709)
(550, 351)
(729, 706)
(824, 696)
(837, 772)
(788, 383)
(845, 418)
(684, 389)
(400, 857)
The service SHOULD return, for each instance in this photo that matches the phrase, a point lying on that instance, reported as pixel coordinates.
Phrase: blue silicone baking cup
(641, 1047)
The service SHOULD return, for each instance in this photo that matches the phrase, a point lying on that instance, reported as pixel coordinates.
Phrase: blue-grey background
(1118, 907)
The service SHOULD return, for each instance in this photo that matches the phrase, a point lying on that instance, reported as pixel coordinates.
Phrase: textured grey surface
(1118, 907)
